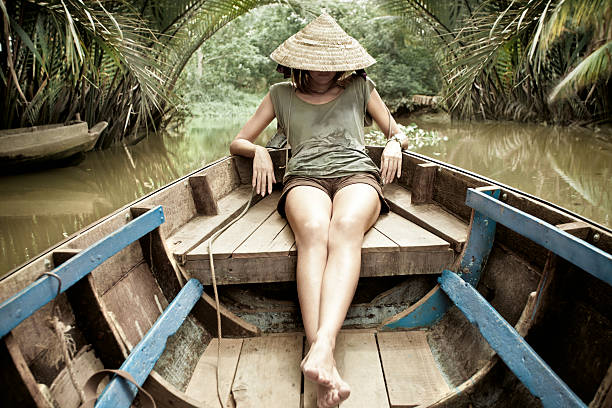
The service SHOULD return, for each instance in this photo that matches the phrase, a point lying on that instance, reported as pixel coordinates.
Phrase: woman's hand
(391, 161)
(263, 171)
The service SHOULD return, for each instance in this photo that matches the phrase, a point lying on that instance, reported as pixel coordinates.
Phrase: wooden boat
(43, 146)
(407, 340)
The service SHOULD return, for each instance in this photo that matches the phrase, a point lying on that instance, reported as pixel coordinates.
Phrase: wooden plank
(25, 379)
(143, 357)
(19, 307)
(203, 384)
(273, 238)
(310, 394)
(422, 182)
(230, 271)
(375, 241)
(411, 373)
(203, 196)
(582, 254)
(235, 235)
(407, 235)
(518, 355)
(269, 372)
(432, 217)
(63, 254)
(84, 364)
(358, 363)
(200, 228)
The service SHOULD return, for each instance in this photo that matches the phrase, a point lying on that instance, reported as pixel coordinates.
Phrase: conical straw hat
(322, 46)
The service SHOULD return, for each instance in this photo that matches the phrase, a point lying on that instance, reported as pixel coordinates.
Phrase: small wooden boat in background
(414, 335)
(45, 146)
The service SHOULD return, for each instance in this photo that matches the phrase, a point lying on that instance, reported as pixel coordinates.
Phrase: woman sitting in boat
(332, 190)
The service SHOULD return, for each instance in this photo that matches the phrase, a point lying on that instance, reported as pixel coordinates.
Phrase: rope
(212, 262)
(214, 282)
(66, 341)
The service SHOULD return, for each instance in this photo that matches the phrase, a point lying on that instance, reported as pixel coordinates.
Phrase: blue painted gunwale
(582, 254)
(40, 292)
(120, 393)
(473, 261)
(524, 362)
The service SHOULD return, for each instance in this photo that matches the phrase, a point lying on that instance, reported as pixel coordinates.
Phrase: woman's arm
(391, 159)
(242, 145)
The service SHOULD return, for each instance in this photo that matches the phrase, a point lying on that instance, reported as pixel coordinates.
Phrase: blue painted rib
(524, 362)
(21, 306)
(475, 255)
(582, 254)
(119, 393)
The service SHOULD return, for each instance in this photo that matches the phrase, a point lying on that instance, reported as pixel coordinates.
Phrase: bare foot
(343, 388)
(318, 365)
(328, 397)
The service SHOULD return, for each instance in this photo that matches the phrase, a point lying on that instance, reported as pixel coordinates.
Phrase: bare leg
(308, 211)
(355, 209)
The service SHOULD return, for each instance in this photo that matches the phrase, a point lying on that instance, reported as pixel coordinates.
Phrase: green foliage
(238, 55)
(417, 137)
(115, 61)
(515, 60)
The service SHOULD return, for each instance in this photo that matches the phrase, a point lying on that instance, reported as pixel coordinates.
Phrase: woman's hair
(303, 81)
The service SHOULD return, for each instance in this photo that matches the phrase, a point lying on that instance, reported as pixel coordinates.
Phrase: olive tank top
(327, 140)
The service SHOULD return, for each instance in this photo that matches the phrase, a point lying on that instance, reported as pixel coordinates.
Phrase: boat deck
(260, 247)
(384, 369)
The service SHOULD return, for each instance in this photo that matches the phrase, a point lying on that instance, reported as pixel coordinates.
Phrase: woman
(332, 190)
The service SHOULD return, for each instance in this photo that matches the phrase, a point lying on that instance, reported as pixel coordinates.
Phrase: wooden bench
(261, 247)
(140, 362)
(518, 355)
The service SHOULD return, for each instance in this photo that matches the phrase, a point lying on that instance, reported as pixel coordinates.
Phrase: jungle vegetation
(527, 60)
(136, 63)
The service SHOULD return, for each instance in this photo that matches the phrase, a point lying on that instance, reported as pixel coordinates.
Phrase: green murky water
(570, 167)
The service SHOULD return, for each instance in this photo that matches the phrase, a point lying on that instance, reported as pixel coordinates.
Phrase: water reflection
(570, 167)
(37, 210)
(567, 166)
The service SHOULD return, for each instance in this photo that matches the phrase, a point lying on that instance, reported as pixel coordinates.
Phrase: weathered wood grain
(411, 373)
(359, 365)
(203, 195)
(135, 303)
(203, 384)
(273, 238)
(431, 217)
(423, 182)
(407, 235)
(200, 228)
(376, 241)
(230, 239)
(268, 373)
(282, 269)
(24, 387)
(84, 364)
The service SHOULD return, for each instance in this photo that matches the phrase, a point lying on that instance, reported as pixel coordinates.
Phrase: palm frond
(593, 68)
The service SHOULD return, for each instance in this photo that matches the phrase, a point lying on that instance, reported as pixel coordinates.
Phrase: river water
(570, 167)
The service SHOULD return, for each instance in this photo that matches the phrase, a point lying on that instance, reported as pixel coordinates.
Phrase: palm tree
(114, 61)
(525, 60)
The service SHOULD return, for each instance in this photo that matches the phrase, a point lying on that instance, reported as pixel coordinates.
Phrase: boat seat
(260, 247)
(392, 369)
(201, 227)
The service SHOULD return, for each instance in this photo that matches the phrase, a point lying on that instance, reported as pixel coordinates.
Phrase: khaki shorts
(331, 186)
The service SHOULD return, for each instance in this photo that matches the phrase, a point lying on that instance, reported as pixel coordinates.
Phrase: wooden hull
(109, 311)
(42, 146)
